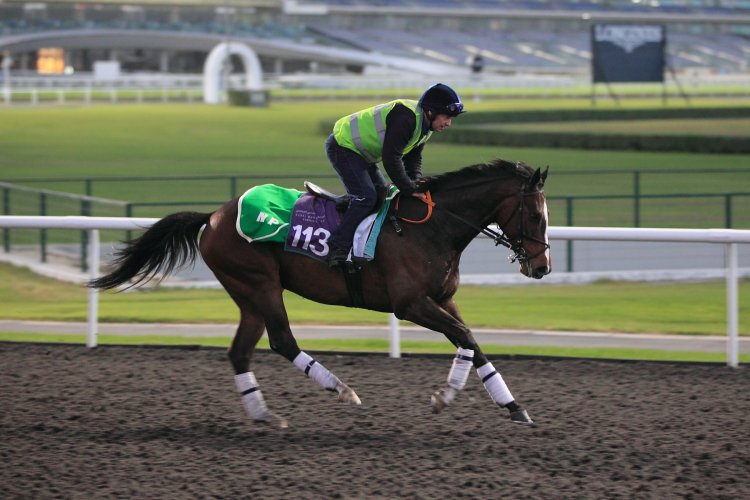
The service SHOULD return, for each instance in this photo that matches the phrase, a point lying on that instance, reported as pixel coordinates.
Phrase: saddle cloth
(303, 222)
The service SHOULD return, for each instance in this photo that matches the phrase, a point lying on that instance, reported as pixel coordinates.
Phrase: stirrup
(336, 260)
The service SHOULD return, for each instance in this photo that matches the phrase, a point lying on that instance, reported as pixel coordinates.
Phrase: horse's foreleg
(283, 342)
(457, 377)
(491, 379)
(445, 318)
(249, 332)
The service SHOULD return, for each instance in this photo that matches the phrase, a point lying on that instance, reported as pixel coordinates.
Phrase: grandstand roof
(468, 11)
(206, 41)
(218, 3)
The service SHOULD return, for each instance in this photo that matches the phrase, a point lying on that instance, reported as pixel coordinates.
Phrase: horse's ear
(535, 179)
(544, 174)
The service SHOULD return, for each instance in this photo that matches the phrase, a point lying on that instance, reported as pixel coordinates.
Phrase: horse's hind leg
(249, 332)
(283, 342)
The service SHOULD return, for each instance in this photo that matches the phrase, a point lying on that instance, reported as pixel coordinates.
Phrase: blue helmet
(441, 99)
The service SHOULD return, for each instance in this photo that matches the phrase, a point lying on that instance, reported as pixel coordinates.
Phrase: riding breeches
(362, 180)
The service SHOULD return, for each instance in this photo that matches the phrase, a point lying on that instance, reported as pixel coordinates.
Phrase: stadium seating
(512, 46)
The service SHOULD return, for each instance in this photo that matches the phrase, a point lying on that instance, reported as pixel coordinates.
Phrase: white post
(395, 351)
(93, 292)
(732, 306)
(7, 62)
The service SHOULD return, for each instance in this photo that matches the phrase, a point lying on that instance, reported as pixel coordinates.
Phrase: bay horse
(414, 275)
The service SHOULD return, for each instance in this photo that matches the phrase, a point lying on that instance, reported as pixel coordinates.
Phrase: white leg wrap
(494, 384)
(461, 367)
(252, 398)
(316, 371)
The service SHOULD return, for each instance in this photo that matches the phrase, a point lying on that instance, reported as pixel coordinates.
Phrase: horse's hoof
(347, 395)
(442, 398)
(273, 420)
(437, 402)
(521, 417)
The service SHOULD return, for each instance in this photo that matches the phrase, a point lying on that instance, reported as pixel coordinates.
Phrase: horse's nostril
(541, 271)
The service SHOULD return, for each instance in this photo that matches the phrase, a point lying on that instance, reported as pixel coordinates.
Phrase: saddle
(342, 200)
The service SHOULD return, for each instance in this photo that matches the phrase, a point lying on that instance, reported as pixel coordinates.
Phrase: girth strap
(353, 278)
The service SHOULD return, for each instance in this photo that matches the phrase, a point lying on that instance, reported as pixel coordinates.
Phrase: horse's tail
(172, 242)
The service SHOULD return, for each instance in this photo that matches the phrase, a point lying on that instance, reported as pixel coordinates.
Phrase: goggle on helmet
(441, 99)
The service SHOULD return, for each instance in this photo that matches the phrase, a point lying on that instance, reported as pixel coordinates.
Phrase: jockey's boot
(337, 255)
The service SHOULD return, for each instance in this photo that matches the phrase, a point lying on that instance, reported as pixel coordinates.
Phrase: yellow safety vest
(364, 131)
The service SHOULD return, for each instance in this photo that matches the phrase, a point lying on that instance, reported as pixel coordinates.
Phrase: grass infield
(673, 308)
(178, 140)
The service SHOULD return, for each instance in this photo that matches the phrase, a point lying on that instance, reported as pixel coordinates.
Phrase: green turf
(725, 127)
(177, 139)
(689, 308)
(134, 140)
(259, 144)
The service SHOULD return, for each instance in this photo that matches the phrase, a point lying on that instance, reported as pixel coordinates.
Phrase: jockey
(394, 133)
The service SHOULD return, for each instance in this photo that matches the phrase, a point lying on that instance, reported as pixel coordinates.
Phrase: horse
(414, 275)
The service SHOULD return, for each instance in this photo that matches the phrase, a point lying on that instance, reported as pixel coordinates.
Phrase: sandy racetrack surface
(167, 423)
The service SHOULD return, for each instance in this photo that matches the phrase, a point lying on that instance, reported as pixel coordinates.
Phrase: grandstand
(350, 36)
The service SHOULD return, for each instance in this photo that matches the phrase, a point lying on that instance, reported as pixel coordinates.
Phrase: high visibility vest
(364, 131)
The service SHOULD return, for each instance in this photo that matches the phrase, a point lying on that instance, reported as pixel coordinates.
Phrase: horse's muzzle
(537, 273)
(540, 272)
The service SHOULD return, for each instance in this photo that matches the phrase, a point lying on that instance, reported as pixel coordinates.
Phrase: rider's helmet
(441, 99)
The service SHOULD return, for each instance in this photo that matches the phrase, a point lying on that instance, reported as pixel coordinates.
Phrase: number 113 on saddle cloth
(302, 221)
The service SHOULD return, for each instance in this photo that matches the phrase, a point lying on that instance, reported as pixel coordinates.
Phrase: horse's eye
(536, 216)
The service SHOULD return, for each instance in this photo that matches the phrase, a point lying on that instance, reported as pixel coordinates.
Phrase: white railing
(727, 237)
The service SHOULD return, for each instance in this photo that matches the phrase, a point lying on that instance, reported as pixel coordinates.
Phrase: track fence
(730, 238)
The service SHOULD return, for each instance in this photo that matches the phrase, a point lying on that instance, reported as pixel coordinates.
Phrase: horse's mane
(495, 169)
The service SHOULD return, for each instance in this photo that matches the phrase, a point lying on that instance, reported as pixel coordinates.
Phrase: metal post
(636, 199)
(128, 214)
(6, 211)
(569, 243)
(395, 350)
(86, 212)
(43, 231)
(728, 211)
(732, 306)
(93, 317)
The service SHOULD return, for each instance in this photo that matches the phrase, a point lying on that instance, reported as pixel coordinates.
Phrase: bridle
(500, 238)
(516, 245)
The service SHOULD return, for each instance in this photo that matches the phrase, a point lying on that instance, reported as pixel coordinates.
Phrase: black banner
(627, 53)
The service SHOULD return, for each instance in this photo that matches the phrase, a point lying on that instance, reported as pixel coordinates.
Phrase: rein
(500, 238)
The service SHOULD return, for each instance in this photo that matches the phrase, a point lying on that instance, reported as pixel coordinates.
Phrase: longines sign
(627, 53)
(628, 37)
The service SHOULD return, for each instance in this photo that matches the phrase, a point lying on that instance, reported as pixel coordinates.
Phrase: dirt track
(167, 423)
